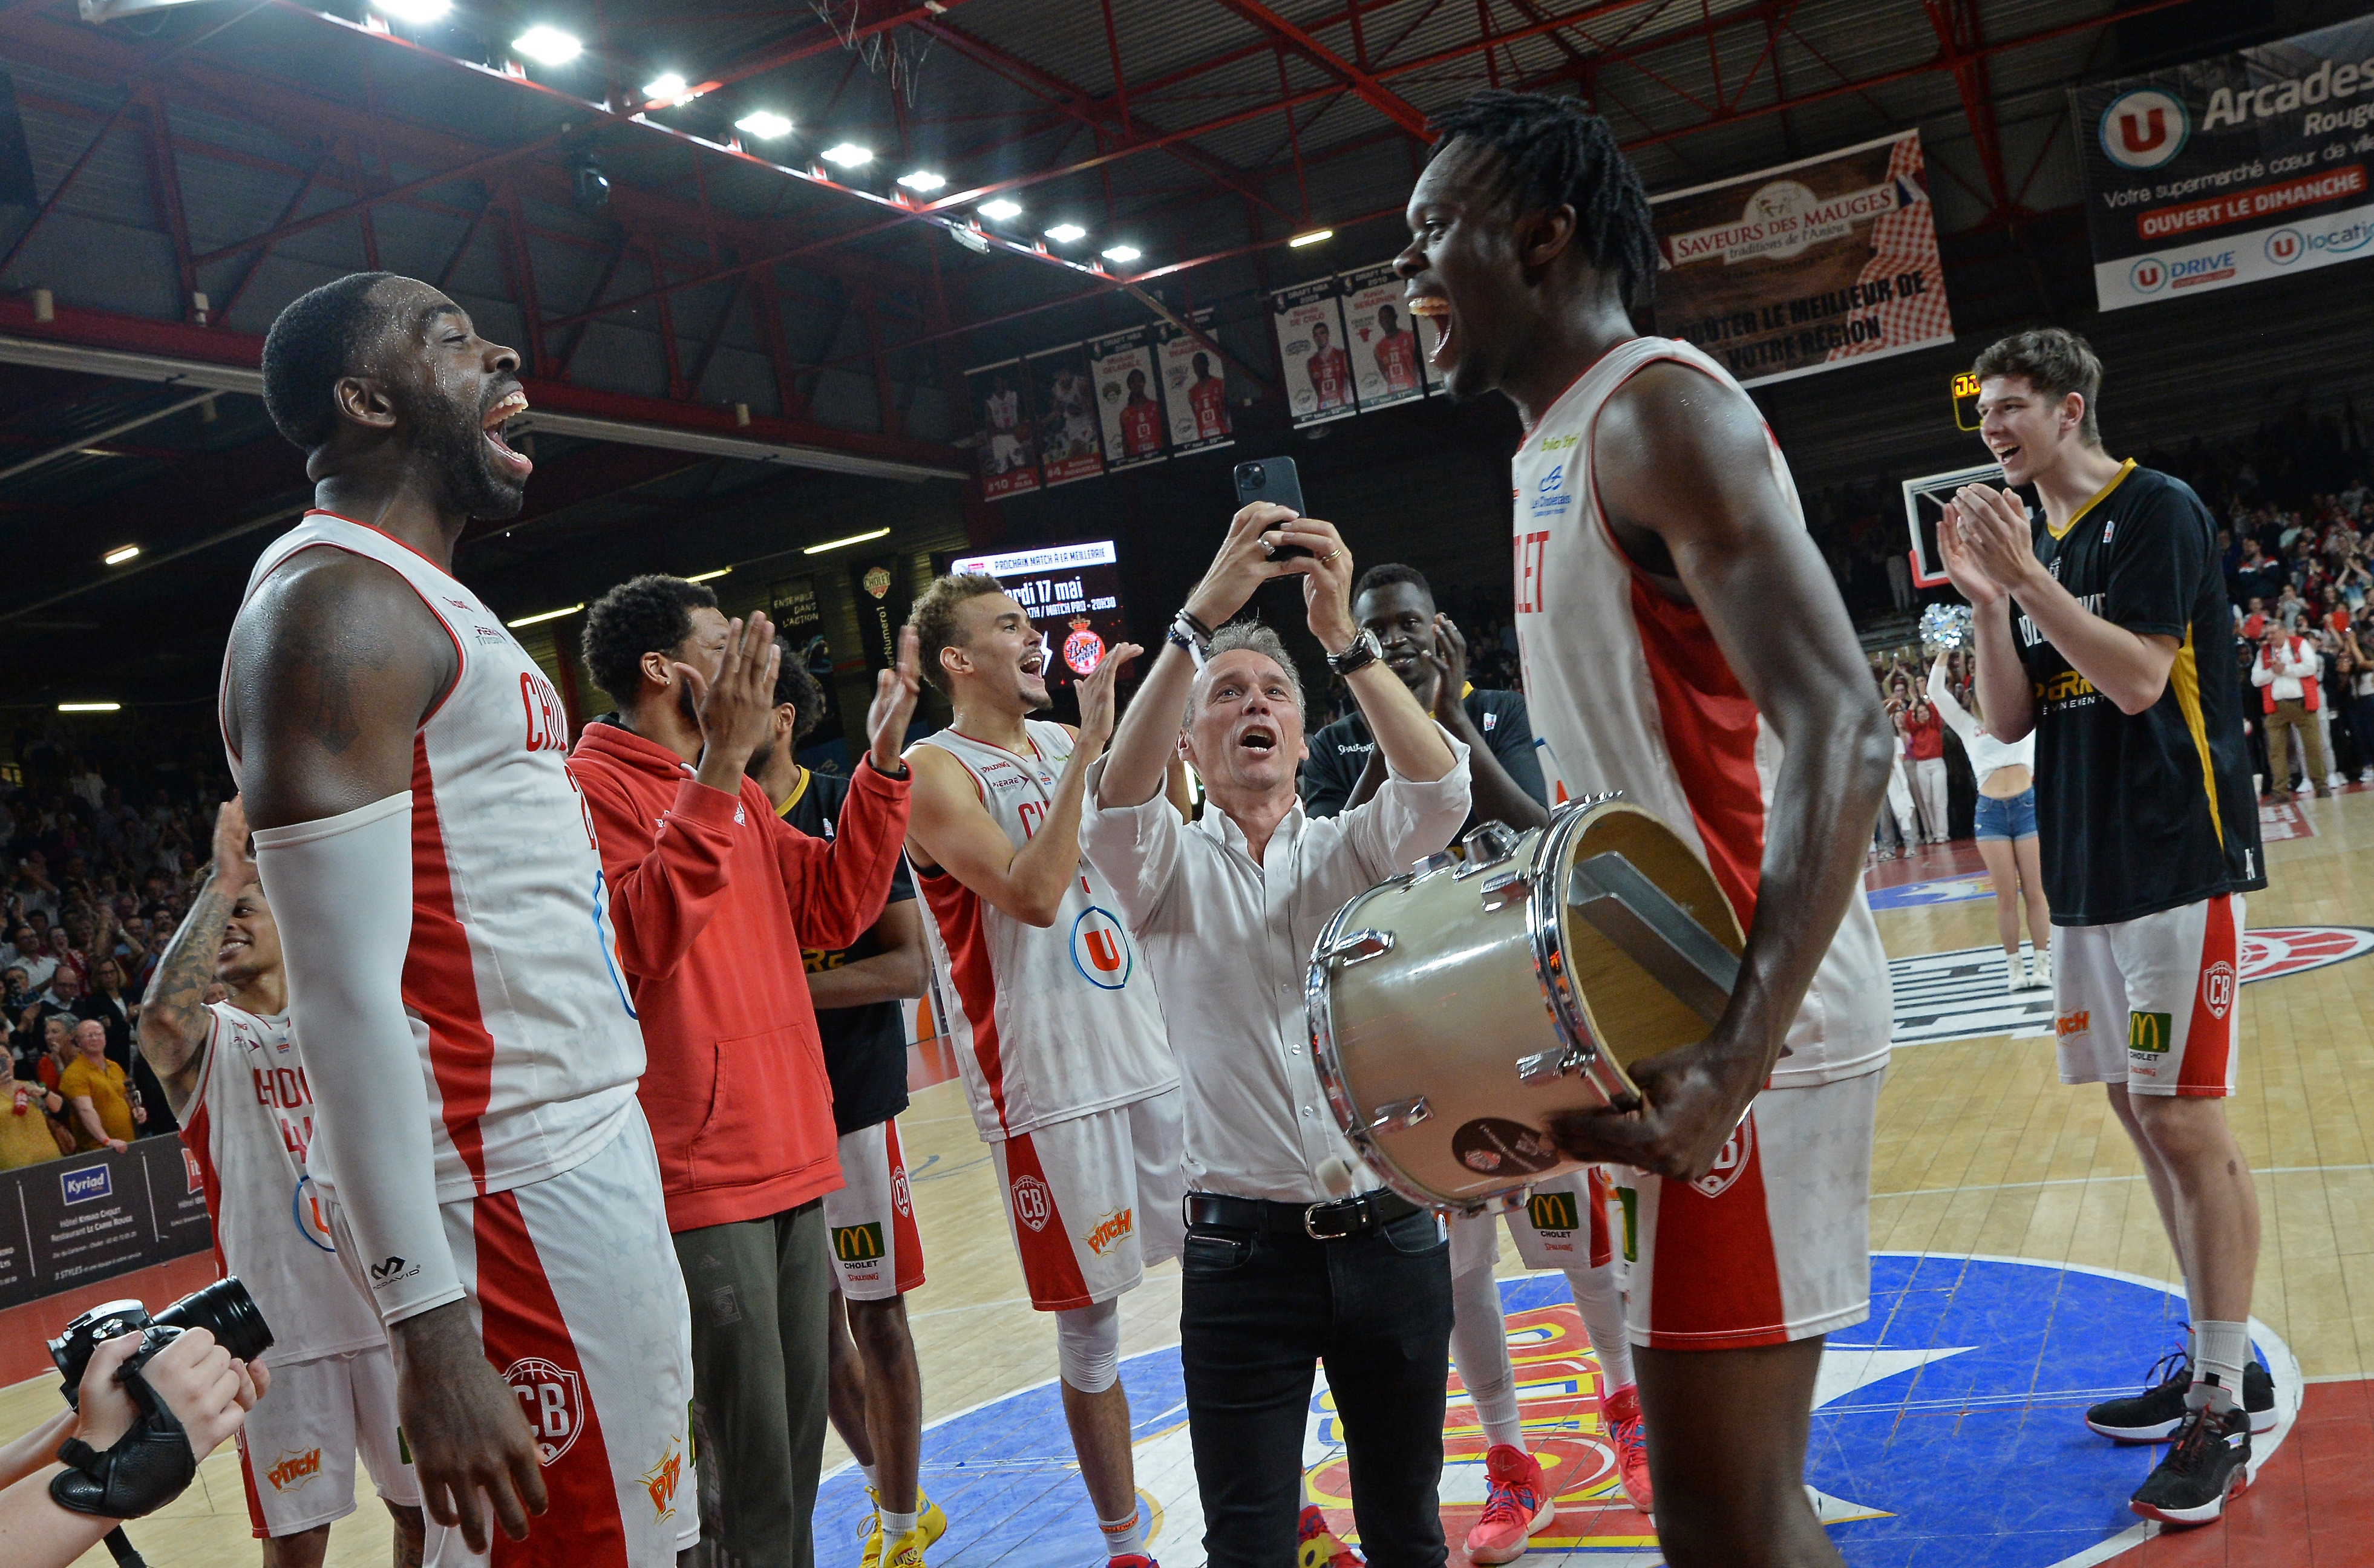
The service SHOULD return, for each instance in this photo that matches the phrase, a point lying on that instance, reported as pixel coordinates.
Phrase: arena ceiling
(715, 298)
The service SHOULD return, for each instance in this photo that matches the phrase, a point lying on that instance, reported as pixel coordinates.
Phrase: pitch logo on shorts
(293, 1469)
(1111, 1230)
(1031, 1204)
(554, 1402)
(660, 1481)
(1731, 1160)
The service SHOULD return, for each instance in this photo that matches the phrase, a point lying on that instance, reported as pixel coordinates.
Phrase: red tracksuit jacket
(712, 896)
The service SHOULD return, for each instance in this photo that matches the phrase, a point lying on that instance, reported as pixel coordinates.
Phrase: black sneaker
(2210, 1462)
(2154, 1415)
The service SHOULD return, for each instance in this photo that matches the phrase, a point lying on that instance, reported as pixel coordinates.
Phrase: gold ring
(1331, 555)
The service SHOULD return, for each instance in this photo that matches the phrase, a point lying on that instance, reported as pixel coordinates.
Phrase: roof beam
(1371, 91)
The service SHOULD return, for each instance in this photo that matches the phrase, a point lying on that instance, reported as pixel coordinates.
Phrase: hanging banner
(1194, 388)
(2228, 170)
(1009, 457)
(1068, 446)
(883, 601)
(798, 615)
(1072, 592)
(1122, 367)
(1310, 323)
(1803, 268)
(1385, 349)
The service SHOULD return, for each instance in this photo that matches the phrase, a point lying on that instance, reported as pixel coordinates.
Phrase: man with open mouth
(1683, 643)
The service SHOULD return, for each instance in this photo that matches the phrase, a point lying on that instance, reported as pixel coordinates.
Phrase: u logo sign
(1101, 950)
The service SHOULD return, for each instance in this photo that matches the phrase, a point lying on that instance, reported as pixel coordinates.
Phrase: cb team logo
(553, 1399)
(1031, 1204)
(2144, 128)
(1731, 1160)
(2217, 988)
(1101, 950)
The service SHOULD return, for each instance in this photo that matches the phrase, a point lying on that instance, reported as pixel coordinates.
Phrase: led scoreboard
(1072, 594)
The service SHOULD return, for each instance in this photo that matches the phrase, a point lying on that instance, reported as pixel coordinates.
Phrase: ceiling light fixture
(90, 706)
(417, 12)
(709, 576)
(1065, 233)
(848, 155)
(120, 555)
(1123, 254)
(544, 615)
(1313, 238)
(666, 87)
(1000, 210)
(852, 539)
(763, 123)
(923, 179)
(548, 46)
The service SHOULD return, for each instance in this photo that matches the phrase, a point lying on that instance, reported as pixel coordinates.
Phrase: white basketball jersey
(1047, 1024)
(1629, 691)
(512, 983)
(251, 1123)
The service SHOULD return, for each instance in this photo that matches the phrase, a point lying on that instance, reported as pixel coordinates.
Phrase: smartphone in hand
(1272, 479)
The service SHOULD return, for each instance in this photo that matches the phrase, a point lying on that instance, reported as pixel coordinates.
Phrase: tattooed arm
(174, 1023)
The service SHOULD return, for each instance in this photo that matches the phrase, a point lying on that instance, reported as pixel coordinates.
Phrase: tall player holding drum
(1683, 642)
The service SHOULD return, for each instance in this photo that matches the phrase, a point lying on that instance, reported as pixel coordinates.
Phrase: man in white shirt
(2285, 672)
(1280, 1272)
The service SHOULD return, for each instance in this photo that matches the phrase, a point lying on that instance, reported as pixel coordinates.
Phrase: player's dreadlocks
(1554, 152)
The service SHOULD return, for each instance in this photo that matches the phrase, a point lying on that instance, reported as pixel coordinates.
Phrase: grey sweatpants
(758, 1290)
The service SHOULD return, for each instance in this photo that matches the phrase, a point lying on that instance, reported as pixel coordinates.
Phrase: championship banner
(1122, 367)
(2232, 170)
(798, 615)
(1385, 349)
(1072, 592)
(1796, 269)
(1009, 457)
(1194, 388)
(1068, 446)
(1310, 323)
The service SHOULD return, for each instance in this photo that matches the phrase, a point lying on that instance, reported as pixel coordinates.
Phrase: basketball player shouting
(445, 928)
(1058, 1032)
(232, 1073)
(2112, 642)
(1683, 642)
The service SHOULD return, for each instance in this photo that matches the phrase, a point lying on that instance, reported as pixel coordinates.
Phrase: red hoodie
(712, 896)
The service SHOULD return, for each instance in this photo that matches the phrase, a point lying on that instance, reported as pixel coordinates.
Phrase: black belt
(1320, 1222)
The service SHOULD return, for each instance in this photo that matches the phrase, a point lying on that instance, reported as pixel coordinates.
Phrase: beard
(452, 445)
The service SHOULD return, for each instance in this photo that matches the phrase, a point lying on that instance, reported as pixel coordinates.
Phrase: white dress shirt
(1229, 941)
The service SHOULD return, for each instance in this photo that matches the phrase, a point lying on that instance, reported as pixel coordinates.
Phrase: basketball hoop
(888, 52)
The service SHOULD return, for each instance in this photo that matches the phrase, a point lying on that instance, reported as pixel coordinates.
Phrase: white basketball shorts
(297, 1447)
(1562, 1225)
(877, 1251)
(2154, 1004)
(1772, 1244)
(1093, 1199)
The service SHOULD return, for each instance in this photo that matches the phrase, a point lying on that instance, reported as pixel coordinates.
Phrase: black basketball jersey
(2143, 813)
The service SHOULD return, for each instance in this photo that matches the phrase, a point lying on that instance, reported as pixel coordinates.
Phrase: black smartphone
(1272, 479)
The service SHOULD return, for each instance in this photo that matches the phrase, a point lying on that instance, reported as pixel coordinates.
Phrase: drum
(1455, 1009)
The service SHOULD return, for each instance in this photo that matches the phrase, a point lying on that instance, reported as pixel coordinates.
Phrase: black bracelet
(1200, 629)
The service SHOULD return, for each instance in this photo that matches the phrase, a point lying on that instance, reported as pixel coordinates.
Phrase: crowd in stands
(102, 846)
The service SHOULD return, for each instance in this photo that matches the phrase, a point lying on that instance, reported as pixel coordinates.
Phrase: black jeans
(1258, 1310)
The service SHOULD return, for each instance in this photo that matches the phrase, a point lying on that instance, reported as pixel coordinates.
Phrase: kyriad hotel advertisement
(2230, 170)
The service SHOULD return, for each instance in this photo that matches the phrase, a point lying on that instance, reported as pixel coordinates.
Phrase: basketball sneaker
(931, 1524)
(2209, 1463)
(2154, 1415)
(1516, 1502)
(1132, 1560)
(1316, 1545)
(1630, 1436)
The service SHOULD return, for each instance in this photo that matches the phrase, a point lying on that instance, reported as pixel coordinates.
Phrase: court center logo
(1101, 950)
(2145, 128)
(553, 1399)
(1032, 1205)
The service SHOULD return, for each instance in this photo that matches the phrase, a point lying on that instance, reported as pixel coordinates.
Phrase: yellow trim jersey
(2144, 812)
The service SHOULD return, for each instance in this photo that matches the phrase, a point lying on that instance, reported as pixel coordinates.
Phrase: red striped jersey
(512, 981)
(1048, 1022)
(250, 1122)
(1629, 692)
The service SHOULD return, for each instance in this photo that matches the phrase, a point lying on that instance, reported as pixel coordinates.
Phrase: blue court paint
(1936, 890)
(1947, 1429)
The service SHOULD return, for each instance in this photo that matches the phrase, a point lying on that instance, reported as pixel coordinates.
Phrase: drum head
(1630, 1015)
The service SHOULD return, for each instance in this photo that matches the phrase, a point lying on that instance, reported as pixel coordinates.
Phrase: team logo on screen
(553, 1399)
(1084, 650)
(1101, 950)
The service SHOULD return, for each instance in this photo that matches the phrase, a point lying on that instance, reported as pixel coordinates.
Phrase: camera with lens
(224, 1309)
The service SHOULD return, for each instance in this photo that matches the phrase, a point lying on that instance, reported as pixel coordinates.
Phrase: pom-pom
(1945, 625)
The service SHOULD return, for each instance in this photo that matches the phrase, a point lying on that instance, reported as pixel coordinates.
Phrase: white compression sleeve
(1479, 1348)
(1599, 1303)
(341, 892)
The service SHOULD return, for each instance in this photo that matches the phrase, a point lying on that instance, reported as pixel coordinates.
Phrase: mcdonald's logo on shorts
(2150, 1032)
(1553, 1212)
(857, 1243)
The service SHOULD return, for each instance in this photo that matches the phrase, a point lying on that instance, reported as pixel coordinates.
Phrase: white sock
(872, 1481)
(1125, 1536)
(1601, 1305)
(2223, 1349)
(1479, 1348)
(896, 1527)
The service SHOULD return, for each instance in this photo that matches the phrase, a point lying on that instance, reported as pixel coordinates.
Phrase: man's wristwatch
(1365, 650)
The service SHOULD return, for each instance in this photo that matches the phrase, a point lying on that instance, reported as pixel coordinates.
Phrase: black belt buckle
(1352, 1210)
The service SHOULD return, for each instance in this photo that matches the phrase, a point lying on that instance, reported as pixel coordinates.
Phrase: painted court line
(2083, 1181)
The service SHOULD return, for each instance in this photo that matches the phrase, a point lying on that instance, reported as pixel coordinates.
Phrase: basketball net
(896, 54)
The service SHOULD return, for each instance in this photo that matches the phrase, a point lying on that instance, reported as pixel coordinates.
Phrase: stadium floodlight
(709, 576)
(120, 555)
(419, 13)
(1123, 254)
(848, 155)
(1313, 238)
(852, 539)
(544, 615)
(1000, 210)
(666, 87)
(1065, 233)
(922, 180)
(763, 123)
(548, 46)
(88, 706)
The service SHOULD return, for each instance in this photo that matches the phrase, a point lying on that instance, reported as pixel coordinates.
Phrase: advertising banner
(1310, 323)
(1799, 268)
(1122, 367)
(2228, 170)
(1009, 457)
(883, 601)
(1384, 348)
(798, 615)
(1069, 448)
(1072, 594)
(1194, 388)
(67, 1222)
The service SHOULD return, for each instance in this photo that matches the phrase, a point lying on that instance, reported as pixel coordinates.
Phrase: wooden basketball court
(2007, 1209)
